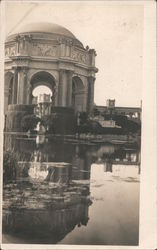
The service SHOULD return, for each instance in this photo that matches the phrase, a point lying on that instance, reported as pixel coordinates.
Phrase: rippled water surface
(70, 193)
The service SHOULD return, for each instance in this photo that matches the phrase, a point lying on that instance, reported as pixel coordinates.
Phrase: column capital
(24, 70)
(70, 70)
(20, 68)
(91, 78)
(15, 68)
(62, 70)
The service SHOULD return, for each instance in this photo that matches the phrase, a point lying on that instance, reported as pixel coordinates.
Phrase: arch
(78, 94)
(43, 78)
(8, 90)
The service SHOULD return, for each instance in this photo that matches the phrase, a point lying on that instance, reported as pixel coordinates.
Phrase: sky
(40, 90)
(114, 30)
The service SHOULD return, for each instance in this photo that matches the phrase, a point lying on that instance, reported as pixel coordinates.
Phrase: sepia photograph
(72, 130)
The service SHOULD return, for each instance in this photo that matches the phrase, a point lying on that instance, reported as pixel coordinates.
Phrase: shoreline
(126, 140)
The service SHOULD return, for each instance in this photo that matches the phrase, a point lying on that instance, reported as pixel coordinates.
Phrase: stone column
(30, 96)
(21, 95)
(64, 89)
(15, 82)
(60, 88)
(69, 88)
(25, 87)
(55, 95)
(90, 99)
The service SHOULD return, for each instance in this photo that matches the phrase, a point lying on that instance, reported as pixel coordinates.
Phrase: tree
(48, 122)
(94, 127)
(10, 161)
(127, 125)
(29, 122)
(121, 120)
(96, 112)
(83, 118)
(133, 127)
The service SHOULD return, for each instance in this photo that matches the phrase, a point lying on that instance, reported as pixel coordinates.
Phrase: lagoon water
(70, 193)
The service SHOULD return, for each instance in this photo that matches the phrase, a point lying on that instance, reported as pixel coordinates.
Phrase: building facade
(50, 55)
(133, 113)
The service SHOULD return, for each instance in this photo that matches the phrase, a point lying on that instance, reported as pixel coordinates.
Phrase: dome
(43, 28)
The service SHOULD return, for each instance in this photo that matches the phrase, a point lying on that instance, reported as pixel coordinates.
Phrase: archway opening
(78, 92)
(43, 88)
(41, 94)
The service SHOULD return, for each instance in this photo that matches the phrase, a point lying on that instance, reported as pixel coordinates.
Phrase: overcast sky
(114, 31)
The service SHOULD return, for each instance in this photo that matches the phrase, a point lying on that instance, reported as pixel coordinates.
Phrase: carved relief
(44, 50)
(65, 41)
(79, 56)
(10, 51)
(22, 43)
(20, 47)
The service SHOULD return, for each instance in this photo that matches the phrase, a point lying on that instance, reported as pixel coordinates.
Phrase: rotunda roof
(43, 28)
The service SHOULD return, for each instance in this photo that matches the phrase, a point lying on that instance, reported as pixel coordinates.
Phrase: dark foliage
(29, 122)
(10, 160)
(96, 112)
(83, 118)
(89, 127)
(125, 125)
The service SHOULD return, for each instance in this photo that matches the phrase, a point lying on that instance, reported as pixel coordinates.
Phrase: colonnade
(63, 89)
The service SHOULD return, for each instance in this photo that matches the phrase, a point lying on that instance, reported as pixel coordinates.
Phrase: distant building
(105, 123)
(43, 106)
(35, 100)
(44, 98)
(43, 109)
(133, 113)
(110, 103)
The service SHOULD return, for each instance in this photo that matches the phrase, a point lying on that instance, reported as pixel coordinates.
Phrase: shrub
(29, 122)
(10, 160)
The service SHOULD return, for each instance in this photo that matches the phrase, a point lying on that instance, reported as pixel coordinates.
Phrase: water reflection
(56, 195)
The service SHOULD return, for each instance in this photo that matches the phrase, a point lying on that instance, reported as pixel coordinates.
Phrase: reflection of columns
(87, 166)
(108, 166)
(90, 99)
(14, 93)
(21, 87)
(69, 88)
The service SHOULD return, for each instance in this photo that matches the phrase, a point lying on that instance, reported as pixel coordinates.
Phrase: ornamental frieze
(65, 41)
(79, 56)
(10, 51)
(43, 50)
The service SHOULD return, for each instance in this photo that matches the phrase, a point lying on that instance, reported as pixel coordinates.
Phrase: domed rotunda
(48, 54)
